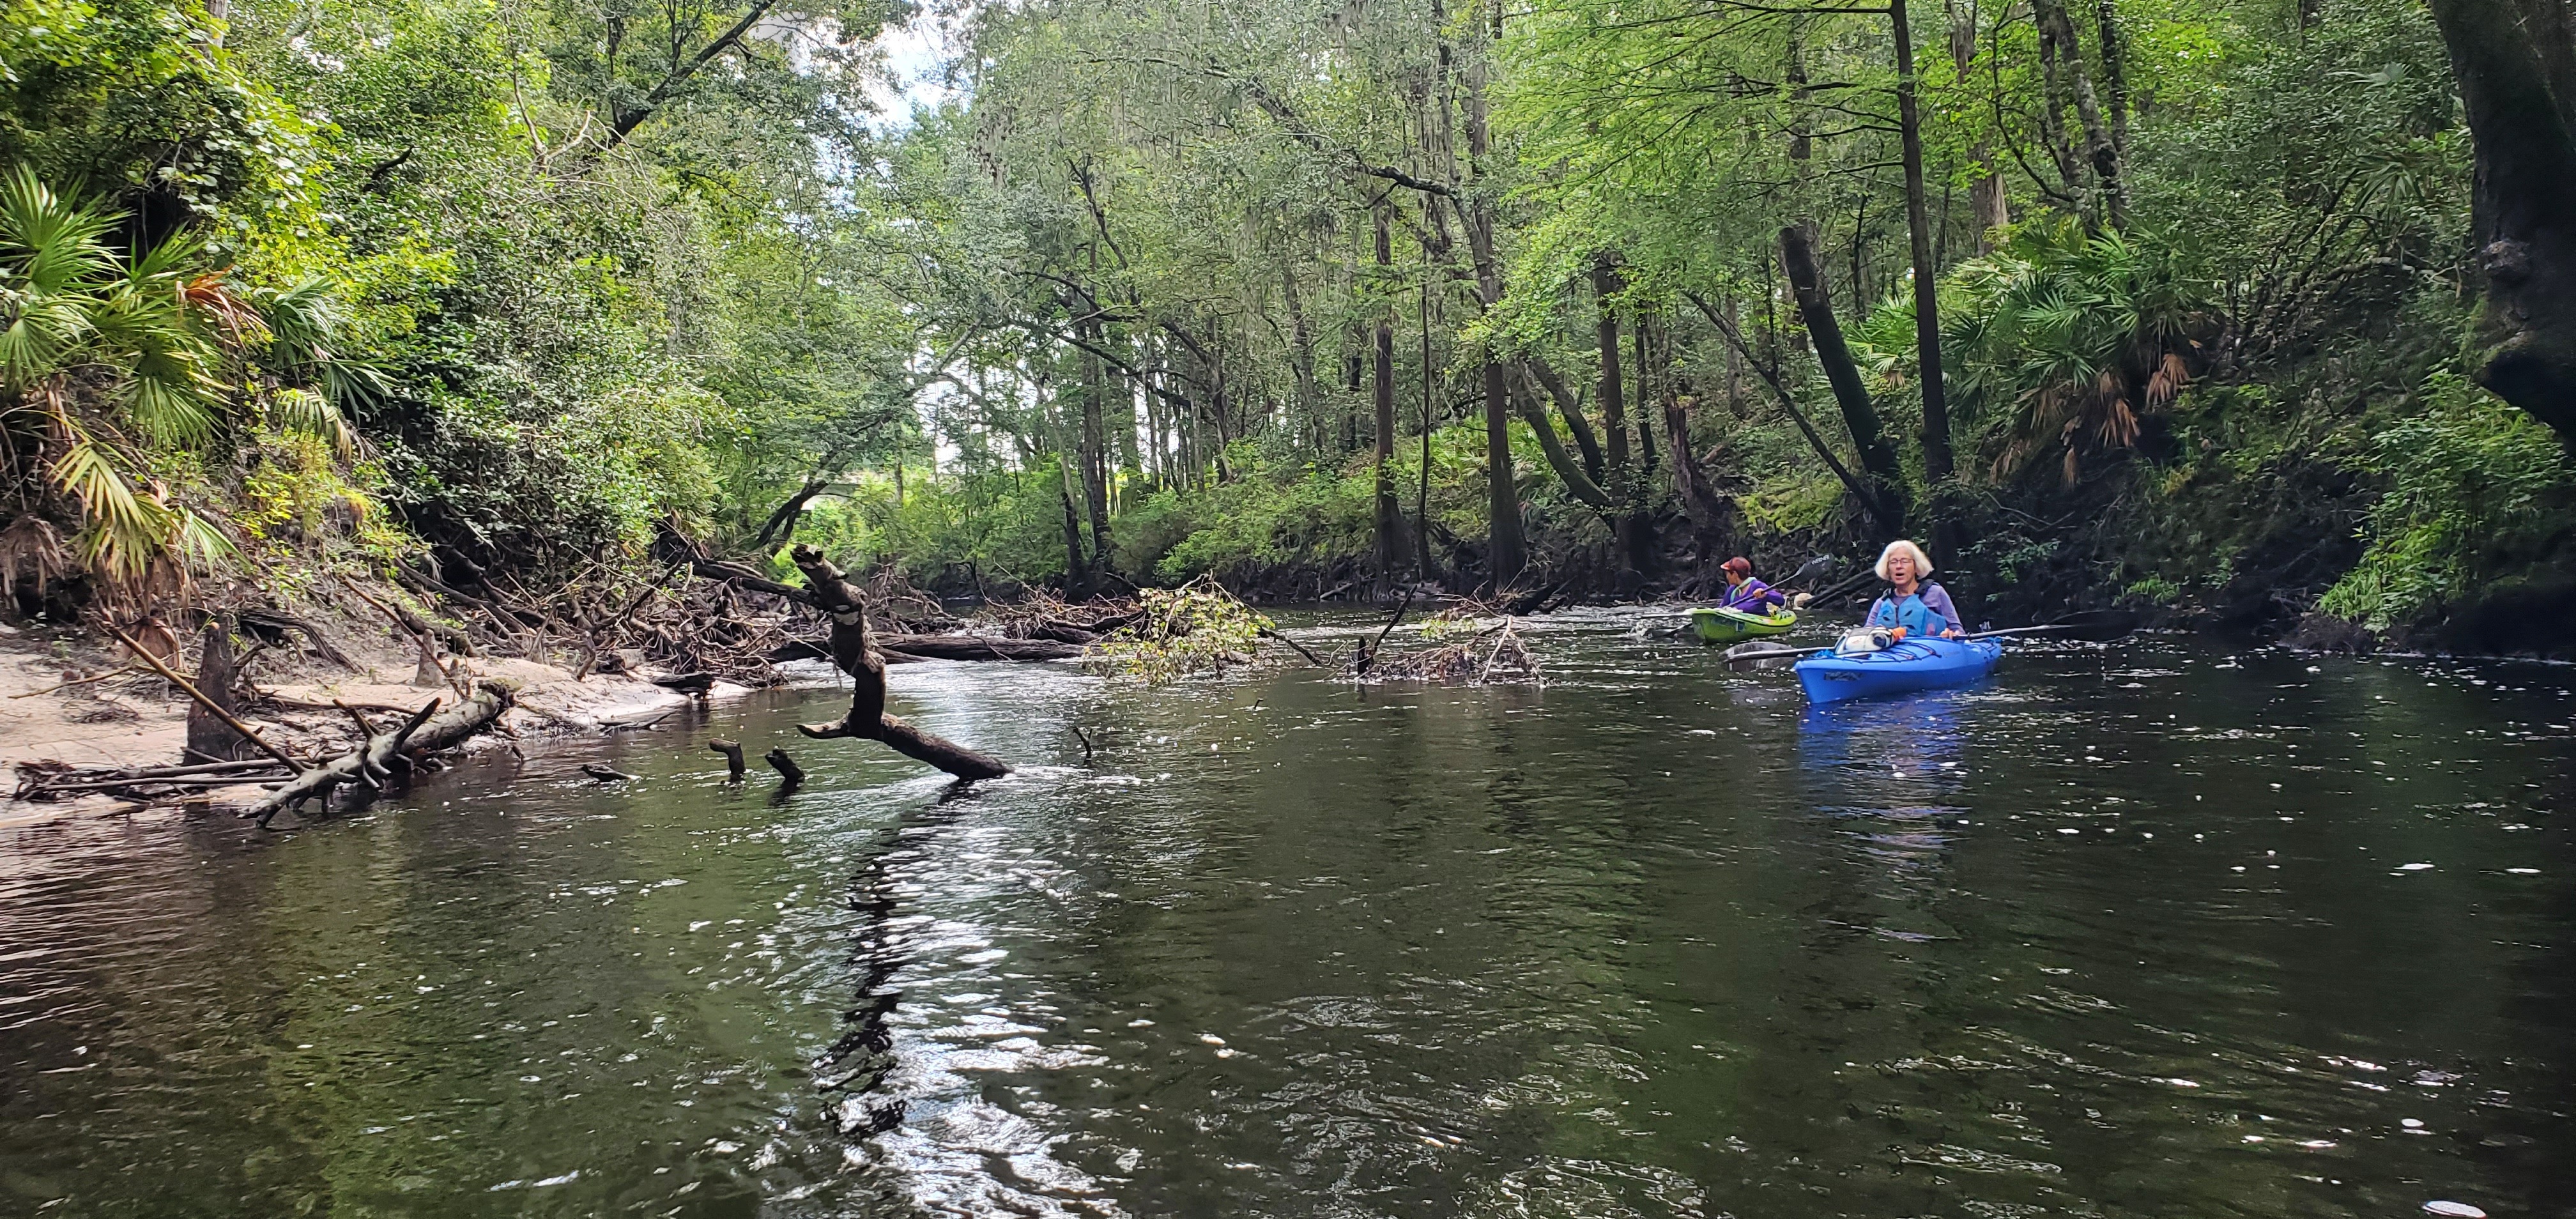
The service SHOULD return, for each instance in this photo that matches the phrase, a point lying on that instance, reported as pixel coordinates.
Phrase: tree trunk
(2056, 27)
(2516, 65)
(1568, 407)
(1506, 551)
(1611, 387)
(1424, 566)
(1989, 205)
(1077, 578)
(1734, 367)
(218, 670)
(1712, 516)
(1354, 366)
(2115, 79)
(1577, 483)
(867, 719)
(1918, 230)
(1861, 491)
(1390, 511)
(1636, 542)
(2055, 55)
(1095, 455)
(1816, 312)
(1644, 330)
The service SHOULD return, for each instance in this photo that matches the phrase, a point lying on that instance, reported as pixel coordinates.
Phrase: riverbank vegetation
(2239, 311)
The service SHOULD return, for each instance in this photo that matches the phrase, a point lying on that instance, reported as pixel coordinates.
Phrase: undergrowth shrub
(2469, 481)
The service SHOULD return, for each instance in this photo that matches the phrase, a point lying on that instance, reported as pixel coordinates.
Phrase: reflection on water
(2153, 930)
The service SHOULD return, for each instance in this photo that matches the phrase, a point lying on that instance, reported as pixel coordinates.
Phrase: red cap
(1737, 564)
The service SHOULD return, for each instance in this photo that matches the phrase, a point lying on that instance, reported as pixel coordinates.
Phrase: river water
(2158, 929)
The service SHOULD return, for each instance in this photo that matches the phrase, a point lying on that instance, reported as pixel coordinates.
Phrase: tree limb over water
(842, 602)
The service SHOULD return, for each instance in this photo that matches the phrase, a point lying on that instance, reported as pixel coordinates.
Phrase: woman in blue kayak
(1911, 605)
(1746, 593)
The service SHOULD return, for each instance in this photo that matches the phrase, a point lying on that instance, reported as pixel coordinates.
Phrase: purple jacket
(1751, 596)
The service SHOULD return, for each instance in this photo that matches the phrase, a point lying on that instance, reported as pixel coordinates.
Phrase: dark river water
(2154, 930)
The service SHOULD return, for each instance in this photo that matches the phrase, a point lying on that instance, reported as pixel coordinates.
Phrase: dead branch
(209, 704)
(374, 763)
(832, 592)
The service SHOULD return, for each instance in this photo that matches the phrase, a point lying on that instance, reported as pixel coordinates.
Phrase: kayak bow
(1722, 625)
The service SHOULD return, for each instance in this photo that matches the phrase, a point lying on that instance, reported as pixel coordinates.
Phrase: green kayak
(1736, 626)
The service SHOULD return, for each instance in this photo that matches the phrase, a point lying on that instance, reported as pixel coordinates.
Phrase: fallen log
(978, 647)
(740, 576)
(376, 760)
(834, 595)
(81, 786)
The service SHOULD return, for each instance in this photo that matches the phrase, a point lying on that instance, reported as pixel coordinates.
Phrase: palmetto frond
(303, 324)
(2080, 331)
(302, 410)
(52, 261)
(126, 353)
(126, 529)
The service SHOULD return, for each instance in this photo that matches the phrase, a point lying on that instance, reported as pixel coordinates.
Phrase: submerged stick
(1300, 648)
(1368, 655)
(732, 750)
(786, 767)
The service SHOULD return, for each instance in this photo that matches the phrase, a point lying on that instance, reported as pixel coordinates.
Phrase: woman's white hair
(1922, 561)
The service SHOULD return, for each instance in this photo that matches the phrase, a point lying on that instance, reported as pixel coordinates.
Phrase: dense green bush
(2471, 483)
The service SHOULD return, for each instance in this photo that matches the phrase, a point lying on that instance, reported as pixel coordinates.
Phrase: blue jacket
(1927, 612)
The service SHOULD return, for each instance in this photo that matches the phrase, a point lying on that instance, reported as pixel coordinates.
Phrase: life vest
(1910, 612)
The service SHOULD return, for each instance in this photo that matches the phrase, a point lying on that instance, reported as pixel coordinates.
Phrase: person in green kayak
(1745, 593)
(1912, 605)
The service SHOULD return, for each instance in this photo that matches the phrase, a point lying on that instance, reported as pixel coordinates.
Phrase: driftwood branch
(376, 760)
(842, 603)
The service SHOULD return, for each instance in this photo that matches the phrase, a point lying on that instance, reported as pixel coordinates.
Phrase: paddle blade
(1762, 654)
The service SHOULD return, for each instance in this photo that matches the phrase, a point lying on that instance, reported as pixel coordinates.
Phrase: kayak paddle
(2091, 626)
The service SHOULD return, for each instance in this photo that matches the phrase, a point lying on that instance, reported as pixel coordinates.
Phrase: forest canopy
(2205, 307)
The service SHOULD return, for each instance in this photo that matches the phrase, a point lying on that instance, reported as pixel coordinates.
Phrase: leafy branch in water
(1196, 628)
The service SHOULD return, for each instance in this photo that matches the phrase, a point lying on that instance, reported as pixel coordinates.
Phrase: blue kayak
(1914, 664)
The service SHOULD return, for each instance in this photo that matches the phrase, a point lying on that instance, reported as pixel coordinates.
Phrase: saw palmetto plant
(110, 358)
(2075, 338)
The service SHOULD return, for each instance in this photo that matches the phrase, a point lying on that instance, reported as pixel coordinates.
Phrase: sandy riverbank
(65, 699)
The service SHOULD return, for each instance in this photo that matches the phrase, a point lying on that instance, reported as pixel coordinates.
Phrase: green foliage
(545, 282)
(2468, 482)
(113, 361)
(1793, 502)
(996, 529)
(1196, 628)
(2154, 590)
(2066, 341)
(139, 101)
(1264, 520)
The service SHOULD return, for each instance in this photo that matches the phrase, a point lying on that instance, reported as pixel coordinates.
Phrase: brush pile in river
(1487, 655)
